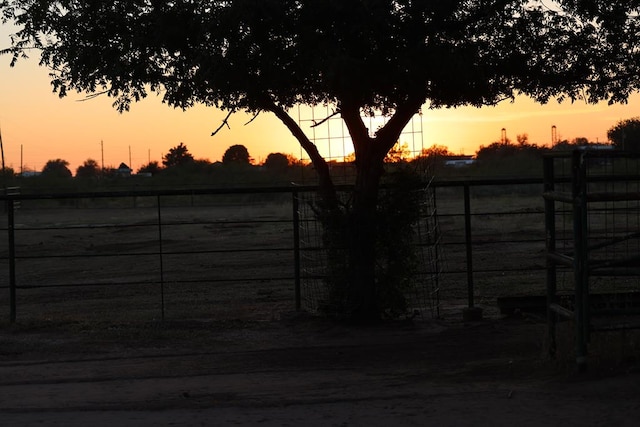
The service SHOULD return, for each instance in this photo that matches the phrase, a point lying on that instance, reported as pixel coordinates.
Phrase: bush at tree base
(397, 253)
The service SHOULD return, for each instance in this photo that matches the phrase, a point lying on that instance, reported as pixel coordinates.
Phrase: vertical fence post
(550, 242)
(296, 247)
(468, 245)
(12, 260)
(578, 178)
(161, 258)
(470, 313)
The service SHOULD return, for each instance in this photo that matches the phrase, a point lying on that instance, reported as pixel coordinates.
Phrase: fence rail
(174, 246)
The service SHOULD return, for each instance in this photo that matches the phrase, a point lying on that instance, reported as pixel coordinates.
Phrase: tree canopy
(277, 162)
(88, 169)
(625, 135)
(177, 156)
(57, 168)
(236, 155)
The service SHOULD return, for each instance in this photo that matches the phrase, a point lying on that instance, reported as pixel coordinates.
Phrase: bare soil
(238, 355)
(301, 370)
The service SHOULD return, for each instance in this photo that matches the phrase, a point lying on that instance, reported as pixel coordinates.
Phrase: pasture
(185, 315)
(232, 256)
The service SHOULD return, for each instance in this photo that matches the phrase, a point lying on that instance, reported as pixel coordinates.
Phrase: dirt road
(303, 372)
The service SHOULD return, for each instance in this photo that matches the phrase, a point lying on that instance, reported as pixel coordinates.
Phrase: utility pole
(2, 151)
(102, 154)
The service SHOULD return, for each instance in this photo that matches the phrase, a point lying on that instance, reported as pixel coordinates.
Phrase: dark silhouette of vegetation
(177, 156)
(625, 135)
(236, 155)
(152, 167)
(88, 169)
(364, 57)
(277, 162)
(57, 168)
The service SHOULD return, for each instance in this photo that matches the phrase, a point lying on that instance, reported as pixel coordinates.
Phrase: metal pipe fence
(235, 253)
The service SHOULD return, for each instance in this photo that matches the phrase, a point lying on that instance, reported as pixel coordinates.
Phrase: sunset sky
(35, 121)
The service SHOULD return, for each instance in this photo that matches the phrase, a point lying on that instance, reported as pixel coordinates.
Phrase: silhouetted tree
(152, 167)
(88, 169)
(177, 156)
(236, 155)
(276, 162)
(436, 151)
(625, 135)
(386, 56)
(398, 153)
(57, 168)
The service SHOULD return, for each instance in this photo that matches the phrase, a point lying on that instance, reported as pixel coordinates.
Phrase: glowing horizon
(37, 126)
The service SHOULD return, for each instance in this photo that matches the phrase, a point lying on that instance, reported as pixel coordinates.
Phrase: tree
(177, 156)
(236, 154)
(57, 168)
(152, 167)
(436, 151)
(88, 169)
(625, 135)
(390, 57)
(277, 162)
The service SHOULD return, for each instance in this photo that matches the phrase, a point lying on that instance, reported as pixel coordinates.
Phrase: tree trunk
(360, 237)
(362, 295)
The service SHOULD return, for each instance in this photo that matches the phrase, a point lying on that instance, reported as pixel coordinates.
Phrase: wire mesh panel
(593, 236)
(421, 293)
(319, 252)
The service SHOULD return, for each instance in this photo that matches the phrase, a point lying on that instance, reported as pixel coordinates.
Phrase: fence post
(471, 312)
(550, 241)
(580, 261)
(296, 247)
(12, 260)
(468, 246)
(161, 258)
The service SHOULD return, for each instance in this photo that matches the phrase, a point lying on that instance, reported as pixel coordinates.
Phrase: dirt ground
(301, 370)
(237, 355)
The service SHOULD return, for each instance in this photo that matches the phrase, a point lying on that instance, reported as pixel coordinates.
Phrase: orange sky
(46, 127)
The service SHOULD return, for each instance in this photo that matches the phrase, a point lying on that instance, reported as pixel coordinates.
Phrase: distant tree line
(522, 156)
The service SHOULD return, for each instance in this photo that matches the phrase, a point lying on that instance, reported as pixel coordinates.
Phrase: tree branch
(353, 120)
(388, 135)
(316, 124)
(327, 189)
(225, 121)
(255, 116)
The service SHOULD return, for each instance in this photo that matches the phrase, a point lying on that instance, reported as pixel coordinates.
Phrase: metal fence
(234, 254)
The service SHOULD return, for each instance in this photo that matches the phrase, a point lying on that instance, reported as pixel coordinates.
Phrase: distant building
(459, 161)
(123, 170)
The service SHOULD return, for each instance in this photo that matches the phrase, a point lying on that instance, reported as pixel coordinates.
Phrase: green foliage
(236, 155)
(625, 135)
(177, 156)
